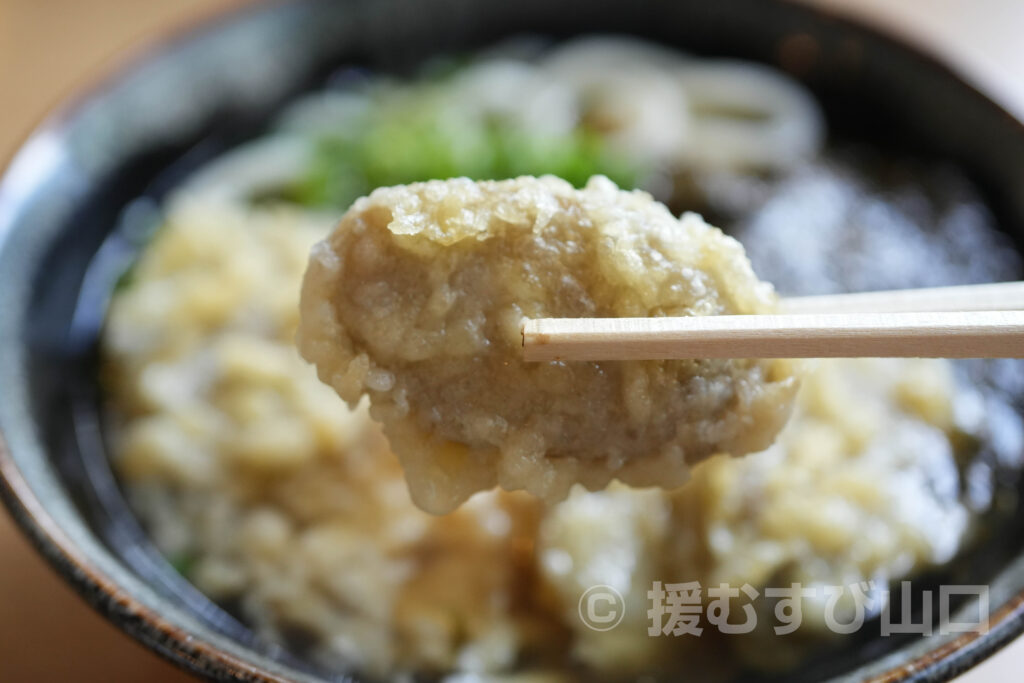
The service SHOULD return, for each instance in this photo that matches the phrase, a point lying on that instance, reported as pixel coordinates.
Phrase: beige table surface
(49, 48)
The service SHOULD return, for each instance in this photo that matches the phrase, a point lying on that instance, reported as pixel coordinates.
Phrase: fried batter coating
(418, 296)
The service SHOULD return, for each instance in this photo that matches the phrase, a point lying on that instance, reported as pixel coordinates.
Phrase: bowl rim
(180, 647)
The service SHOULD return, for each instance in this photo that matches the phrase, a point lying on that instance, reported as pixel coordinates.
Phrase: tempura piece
(417, 299)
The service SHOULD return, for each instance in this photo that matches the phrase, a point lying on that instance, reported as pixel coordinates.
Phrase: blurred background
(49, 49)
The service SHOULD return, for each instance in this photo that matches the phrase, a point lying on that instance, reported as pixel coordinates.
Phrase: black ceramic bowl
(110, 157)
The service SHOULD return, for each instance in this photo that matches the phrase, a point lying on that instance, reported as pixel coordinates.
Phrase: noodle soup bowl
(112, 156)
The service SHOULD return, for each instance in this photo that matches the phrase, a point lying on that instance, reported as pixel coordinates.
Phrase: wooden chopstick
(927, 334)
